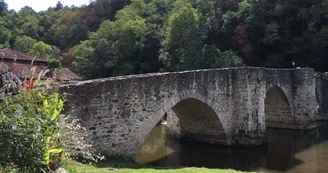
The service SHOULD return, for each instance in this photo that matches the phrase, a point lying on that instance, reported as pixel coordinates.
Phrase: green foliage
(54, 63)
(182, 44)
(28, 120)
(72, 27)
(5, 36)
(228, 58)
(55, 52)
(271, 34)
(115, 49)
(3, 8)
(24, 44)
(151, 35)
(140, 36)
(11, 168)
(27, 22)
(218, 59)
(41, 49)
(84, 60)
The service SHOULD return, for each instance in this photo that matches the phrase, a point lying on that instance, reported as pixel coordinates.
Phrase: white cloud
(40, 5)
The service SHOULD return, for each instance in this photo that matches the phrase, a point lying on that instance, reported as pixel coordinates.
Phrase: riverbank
(129, 167)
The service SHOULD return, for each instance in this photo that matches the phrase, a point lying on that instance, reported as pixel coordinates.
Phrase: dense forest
(118, 37)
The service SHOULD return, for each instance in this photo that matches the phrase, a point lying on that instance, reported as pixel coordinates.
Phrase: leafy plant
(11, 168)
(29, 116)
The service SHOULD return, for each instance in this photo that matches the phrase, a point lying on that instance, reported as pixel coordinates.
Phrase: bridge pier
(321, 92)
(290, 100)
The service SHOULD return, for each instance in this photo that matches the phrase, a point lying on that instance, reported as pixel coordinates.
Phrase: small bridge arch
(277, 107)
(199, 121)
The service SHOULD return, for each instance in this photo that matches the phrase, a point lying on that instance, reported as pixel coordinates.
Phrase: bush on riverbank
(76, 141)
(29, 115)
(33, 133)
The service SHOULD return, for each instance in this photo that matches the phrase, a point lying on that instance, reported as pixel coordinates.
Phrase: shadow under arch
(199, 123)
(318, 105)
(278, 112)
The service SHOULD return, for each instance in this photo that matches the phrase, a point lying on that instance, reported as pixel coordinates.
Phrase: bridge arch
(199, 121)
(278, 111)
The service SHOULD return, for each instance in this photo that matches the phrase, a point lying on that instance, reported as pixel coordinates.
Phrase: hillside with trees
(119, 37)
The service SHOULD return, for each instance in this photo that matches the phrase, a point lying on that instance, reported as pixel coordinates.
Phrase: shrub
(54, 63)
(76, 140)
(29, 117)
(11, 168)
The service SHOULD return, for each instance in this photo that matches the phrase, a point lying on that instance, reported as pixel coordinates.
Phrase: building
(20, 64)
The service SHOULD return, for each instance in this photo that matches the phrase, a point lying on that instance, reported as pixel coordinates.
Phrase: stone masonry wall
(322, 96)
(173, 124)
(298, 85)
(303, 99)
(224, 106)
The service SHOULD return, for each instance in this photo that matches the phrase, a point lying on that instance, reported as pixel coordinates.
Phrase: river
(287, 151)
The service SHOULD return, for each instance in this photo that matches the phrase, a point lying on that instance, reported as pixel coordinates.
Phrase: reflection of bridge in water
(218, 106)
(287, 151)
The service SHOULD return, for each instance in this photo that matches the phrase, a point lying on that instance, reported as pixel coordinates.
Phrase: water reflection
(287, 151)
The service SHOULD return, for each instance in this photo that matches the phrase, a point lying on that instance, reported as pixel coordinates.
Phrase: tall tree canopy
(24, 44)
(3, 8)
(116, 37)
(182, 45)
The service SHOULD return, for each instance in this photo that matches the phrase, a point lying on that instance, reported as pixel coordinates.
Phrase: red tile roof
(11, 55)
(69, 75)
(20, 64)
(20, 69)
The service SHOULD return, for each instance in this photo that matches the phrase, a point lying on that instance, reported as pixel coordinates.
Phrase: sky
(41, 5)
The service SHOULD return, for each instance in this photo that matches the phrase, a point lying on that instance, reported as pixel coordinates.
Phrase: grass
(120, 166)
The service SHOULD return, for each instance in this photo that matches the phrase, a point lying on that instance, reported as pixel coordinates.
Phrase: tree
(24, 44)
(53, 63)
(5, 36)
(41, 49)
(215, 58)
(182, 45)
(117, 37)
(26, 22)
(241, 40)
(104, 9)
(115, 49)
(68, 58)
(3, 8)
(59, 6)
(84, 62)
(228, 59)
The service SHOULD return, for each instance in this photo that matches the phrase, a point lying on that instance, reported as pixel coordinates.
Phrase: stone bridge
(231, 106)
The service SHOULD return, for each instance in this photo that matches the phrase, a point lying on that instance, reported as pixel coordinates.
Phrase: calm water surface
(287, 151)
